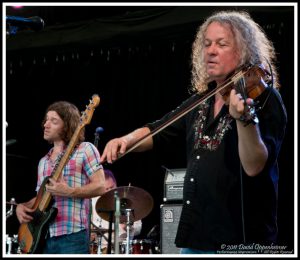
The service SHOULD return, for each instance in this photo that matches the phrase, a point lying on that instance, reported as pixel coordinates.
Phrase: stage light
(17, 6)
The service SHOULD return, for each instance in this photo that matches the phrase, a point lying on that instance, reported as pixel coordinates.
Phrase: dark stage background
(137, 59)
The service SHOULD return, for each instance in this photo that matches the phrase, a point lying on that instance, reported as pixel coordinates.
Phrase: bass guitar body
(32, 235)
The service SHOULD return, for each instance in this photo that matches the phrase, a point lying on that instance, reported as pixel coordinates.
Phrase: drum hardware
(96, 243)
(108, 213)
(117, 221)
(10, 241)
(99, 245)
(12, 203)
(128, 225)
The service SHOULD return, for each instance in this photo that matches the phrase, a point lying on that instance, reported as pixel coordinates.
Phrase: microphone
(98, 131)
(34, 23)
(10, 142)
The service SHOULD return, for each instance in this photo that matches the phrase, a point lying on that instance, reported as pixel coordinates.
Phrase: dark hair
(70, 115)
(108, 174)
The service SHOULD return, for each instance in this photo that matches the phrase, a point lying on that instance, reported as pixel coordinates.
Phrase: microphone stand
(96, 139)
(97, 132)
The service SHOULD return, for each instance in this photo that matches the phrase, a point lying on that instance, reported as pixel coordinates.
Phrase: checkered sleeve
(91, 161)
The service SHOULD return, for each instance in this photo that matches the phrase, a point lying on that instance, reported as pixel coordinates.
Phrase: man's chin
(212, 72)
(213, 77)
(216, 77)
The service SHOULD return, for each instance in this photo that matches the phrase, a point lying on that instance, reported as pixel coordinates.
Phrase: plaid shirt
(73, 213)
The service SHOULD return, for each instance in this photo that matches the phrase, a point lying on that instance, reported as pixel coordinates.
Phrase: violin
(250, 81)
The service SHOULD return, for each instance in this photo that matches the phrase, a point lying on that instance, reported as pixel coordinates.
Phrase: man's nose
(212, 49)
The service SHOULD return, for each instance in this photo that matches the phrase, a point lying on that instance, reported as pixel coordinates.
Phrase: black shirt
(221, 204)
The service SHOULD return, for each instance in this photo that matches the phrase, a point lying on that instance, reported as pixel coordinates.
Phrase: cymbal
(11, 203)
(134, 198)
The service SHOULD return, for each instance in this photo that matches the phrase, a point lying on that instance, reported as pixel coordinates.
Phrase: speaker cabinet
(169, 215)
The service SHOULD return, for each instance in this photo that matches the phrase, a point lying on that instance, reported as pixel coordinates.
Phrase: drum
(123, 245)
(142, 246)
(93, 247)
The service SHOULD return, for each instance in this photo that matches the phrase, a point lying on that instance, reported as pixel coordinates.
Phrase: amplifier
(169, 215)
(173, 184)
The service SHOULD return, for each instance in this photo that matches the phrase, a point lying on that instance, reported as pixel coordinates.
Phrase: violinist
(232, 139)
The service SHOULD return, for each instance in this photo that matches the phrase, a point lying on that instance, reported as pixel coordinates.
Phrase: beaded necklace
(208, 142)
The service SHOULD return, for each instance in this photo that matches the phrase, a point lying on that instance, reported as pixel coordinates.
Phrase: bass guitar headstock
(86, 116)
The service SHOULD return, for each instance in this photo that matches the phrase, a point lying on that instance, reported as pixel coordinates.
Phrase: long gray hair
(252, 43)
